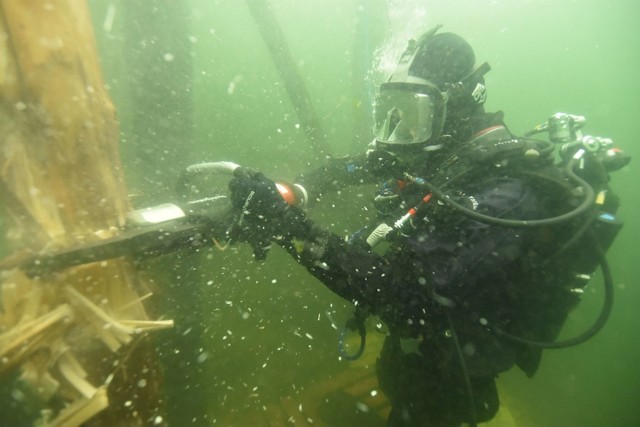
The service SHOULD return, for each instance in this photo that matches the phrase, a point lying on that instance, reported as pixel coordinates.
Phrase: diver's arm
(438, 254)
(351, 271)
(452, 261)
(450, 266)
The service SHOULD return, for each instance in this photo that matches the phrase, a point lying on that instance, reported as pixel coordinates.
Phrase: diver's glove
(262, 215)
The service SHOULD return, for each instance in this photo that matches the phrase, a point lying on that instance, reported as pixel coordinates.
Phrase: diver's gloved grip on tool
(262, 213)
(255, 194)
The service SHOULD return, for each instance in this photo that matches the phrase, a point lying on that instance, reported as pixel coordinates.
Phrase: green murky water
(193, 81)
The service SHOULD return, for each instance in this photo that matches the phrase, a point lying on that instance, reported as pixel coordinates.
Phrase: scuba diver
(482, 244)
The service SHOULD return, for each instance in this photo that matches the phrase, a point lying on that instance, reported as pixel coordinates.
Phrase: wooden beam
(60, 169)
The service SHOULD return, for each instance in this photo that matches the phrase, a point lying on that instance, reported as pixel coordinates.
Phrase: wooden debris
(61, 185)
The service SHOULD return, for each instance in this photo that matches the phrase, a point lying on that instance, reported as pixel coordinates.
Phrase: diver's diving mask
(409, 113)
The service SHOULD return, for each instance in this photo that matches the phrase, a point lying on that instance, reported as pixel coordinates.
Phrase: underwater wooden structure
(75, 336)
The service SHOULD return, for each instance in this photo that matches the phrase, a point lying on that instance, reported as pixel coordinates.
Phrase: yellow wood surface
(62, 184)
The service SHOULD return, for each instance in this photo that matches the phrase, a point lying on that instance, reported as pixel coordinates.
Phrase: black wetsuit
(436, 287)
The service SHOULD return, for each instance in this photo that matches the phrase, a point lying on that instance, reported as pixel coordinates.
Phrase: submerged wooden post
(72, 334)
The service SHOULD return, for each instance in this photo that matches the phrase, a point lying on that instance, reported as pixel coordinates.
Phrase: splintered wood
(61, 184)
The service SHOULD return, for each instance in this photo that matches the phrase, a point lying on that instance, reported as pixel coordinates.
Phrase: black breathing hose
(362, 331)
(587, 203)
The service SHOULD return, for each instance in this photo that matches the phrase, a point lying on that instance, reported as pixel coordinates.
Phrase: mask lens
(405, 117)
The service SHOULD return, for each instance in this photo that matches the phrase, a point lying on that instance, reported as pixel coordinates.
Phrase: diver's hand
(262, 215)
(256, 197)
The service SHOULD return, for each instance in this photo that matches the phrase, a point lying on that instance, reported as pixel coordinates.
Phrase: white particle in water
(362, 407)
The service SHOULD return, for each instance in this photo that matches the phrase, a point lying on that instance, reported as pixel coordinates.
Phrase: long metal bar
(275, 40)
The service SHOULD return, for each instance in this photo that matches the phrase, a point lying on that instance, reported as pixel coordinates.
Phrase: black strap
(356, 323)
